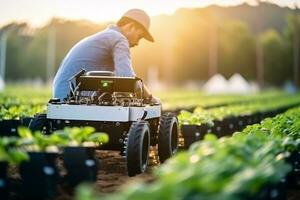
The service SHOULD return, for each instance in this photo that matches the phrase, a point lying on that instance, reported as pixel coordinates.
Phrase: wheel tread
(133, 147)
(166, 124)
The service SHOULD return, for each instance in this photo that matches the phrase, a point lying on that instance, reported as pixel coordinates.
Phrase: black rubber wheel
(40, 123)
(137, 148)
(167, 136)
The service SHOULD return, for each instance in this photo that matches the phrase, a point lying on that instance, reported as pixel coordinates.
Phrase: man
(107, 50)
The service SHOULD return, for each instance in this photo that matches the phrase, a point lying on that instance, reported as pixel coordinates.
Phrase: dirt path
(113, 173)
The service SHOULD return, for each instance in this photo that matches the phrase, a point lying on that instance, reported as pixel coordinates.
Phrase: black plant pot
(193, 133)
(229, 126)
(242, 122)
(256, 118)
(277, 191)
(261, 115)
(249, 120)
(81, 164)
(271, 192)
(269, 113)
(39, 176)
(218, 128)
(293, 177)
(25, 121)
(9, 127)
(3, 180)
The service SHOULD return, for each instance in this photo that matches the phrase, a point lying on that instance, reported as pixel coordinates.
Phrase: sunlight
(38, 13)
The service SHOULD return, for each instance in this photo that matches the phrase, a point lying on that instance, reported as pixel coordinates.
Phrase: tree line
(190, 45)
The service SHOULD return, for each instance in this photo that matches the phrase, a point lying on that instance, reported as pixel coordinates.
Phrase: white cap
(142, 18)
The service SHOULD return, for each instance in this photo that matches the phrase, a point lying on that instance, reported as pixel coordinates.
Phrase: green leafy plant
(85, 136)
(17, 112)
(9, 151)
(38, 142)
(228, 168)
(75, 136)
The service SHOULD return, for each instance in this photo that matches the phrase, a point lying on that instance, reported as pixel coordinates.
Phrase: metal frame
(101, 113)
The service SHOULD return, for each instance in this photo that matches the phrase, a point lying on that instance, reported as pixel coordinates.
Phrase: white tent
(216, 84)
(237, 84)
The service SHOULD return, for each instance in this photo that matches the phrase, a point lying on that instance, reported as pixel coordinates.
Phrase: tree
(275, 71)
(292, 27)
(237, 50)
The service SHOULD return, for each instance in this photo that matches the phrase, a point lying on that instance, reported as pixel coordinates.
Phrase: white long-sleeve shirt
(107, 50)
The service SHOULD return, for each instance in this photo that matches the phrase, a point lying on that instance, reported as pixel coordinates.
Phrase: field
(231, 147)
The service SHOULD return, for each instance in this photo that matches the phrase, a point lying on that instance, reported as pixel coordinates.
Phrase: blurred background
(253, 44)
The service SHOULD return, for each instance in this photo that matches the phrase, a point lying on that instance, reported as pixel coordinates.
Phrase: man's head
(135, 24)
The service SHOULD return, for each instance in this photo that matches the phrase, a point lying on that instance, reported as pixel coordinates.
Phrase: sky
(39, 12)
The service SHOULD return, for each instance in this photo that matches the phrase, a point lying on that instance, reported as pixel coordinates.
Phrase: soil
(293, 194)
(112, 174)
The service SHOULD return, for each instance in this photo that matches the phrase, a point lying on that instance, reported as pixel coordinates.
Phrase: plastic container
(81, 164)
(9, 127)
(25, 121)
(39, 176)
(193, 133)
(3, 180)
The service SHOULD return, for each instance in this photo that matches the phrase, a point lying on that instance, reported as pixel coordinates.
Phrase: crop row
(225, 120)
(207, 116)
(36, 157)
(186, 101)
(258, 163)
(16, 108)
(13, 117)
(23, 95)
(21, 111)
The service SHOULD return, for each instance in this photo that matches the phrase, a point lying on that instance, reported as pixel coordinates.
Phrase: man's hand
(148, 98)
(155, 101)
(152, 100)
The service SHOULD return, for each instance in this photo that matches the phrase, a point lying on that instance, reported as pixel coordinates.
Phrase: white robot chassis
(114, 105)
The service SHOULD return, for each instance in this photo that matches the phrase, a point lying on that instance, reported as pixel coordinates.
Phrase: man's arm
(122, 59)
(123, 66)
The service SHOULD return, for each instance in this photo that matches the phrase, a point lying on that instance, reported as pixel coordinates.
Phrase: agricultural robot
(114, 105)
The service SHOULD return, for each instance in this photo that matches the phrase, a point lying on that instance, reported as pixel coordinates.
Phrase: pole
(296, 49)
(259, 63)
(259, 51)
(213, 50)
(3, 40)
(51, 47)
